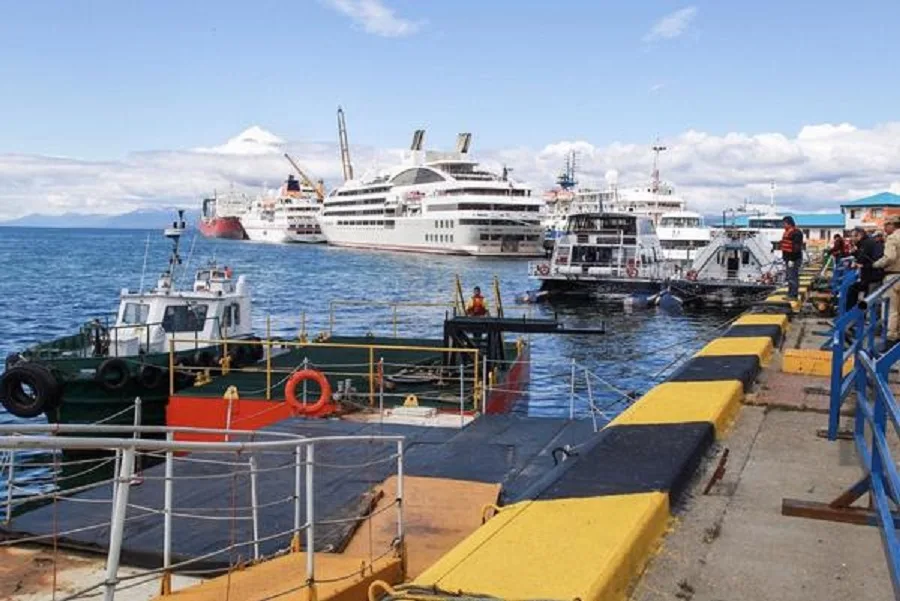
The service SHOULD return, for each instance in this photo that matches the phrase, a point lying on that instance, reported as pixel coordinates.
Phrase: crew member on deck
(792, 254)
(477, 307)
(228, 272)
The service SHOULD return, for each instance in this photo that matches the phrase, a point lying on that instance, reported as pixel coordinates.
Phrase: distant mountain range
(142, 219)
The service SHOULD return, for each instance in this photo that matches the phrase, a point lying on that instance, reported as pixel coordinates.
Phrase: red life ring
(543, 269)
(632, 271)
(691, 275)
(290, 391)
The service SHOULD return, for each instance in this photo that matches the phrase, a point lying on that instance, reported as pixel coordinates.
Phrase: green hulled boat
(96, 373)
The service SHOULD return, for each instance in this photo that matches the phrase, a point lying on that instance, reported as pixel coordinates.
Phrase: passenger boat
(433, 202)
(291, 216)
(220, 216)
(618, 257)
(96, 373)
(682, 234)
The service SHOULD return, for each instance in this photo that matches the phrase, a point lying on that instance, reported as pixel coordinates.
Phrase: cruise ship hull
(276, 235)
(222, 227)
(419, 235)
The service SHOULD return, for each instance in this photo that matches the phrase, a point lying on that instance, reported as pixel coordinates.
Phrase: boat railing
(861, 363)
(242, 465)
(379, 360)
(396, 309)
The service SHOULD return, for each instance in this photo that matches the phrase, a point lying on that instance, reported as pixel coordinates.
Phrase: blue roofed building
(871, 211)
(815, 226)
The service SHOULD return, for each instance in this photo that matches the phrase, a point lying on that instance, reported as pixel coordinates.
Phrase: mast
(174, 234)
(657, 148)
(566, 179)
(772, 196)
(345, 146)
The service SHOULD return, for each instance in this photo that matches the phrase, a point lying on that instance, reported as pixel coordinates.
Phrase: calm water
(55, 280)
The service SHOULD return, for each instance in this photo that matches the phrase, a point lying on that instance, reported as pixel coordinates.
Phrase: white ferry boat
(682, 234)
(618, 256)
(653, 200)
(291, 216)
(435, 203)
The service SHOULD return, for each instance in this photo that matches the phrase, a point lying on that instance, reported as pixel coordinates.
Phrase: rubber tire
(151, 376)
(115, 365)
(47, 390)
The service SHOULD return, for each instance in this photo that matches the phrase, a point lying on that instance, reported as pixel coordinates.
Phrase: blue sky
(99, 79)
(142, 98)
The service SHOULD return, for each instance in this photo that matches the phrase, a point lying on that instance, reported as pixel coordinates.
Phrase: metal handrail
(877, 412)
(44, 436)
(268, 344)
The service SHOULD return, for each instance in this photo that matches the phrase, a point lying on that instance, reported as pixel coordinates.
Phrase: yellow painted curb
(591, 549)
(812, 362)
(682, 402)
(761, 346)
(763, 319)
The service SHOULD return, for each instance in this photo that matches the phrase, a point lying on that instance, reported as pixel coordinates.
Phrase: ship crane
(345, 146)
(318, 187)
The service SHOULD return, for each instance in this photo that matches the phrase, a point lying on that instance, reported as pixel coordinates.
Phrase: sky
(109, 106)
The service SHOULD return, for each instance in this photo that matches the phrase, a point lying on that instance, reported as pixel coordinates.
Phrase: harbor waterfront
(350, 292)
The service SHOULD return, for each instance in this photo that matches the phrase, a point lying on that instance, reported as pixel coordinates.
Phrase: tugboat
(96, 373)
(618, 257)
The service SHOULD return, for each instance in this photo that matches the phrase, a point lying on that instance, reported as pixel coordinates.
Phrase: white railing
(127, 444)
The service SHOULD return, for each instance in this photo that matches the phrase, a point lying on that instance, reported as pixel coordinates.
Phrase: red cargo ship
(213, 224)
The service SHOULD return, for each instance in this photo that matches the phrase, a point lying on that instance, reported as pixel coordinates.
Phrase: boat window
(232, 315)
(416, 176)
(184, 318)
(135, 314)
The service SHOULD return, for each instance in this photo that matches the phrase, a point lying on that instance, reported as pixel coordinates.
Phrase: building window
(877, 212)
(823, 234)
(853, 214)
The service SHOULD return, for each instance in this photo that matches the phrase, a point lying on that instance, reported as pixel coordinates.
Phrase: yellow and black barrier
(590, 533)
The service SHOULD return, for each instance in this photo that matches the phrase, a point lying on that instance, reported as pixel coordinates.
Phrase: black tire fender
(151, 376)
(44, 395)
(113, 374)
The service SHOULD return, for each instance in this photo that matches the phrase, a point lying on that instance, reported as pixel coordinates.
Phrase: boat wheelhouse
(682, 234)
(435, 203)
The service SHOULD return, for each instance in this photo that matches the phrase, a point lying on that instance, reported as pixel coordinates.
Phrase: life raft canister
(290, 392)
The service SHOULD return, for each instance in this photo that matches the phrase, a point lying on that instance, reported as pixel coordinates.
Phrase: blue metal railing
(877, 415)
(843, 276)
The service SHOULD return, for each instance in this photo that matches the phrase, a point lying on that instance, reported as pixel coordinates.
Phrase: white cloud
(814, 169)
(375, 18)
(672, 25)
(657, 88)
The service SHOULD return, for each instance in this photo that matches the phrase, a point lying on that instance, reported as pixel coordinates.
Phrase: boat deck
(510, 452)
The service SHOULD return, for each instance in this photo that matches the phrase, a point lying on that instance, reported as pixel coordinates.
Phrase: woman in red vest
(792, 254)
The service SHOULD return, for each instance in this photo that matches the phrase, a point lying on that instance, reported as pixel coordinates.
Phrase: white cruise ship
(291, 216)
(682, 234)
(435, 203)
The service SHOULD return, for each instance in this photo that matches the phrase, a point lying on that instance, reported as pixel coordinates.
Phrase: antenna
(144, 268)
(657, 148)
(772, 195)
(345, 146)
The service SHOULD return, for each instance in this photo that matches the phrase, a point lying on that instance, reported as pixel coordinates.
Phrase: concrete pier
(734, 543)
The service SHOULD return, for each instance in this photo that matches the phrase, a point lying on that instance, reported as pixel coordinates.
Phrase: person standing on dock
(870, 277)
(477, 307)
(792, 254)
(890, 263)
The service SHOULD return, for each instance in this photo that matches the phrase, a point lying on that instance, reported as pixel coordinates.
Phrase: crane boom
(345, 146)
(320, 192)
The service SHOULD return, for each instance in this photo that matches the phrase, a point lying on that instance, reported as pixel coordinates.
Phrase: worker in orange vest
(477, 306)
(792, 254)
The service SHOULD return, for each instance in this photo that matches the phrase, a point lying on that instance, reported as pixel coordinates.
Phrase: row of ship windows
(519, 237)
(438, 237)
(389, 223)
(443, 223)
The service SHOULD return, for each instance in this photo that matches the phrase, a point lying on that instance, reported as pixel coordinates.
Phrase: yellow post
(460, 298)
(371, 376)
(498, 301)
(171, 366)
(331, 319)
(268, 358)
(395, 320)
(475, 388)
